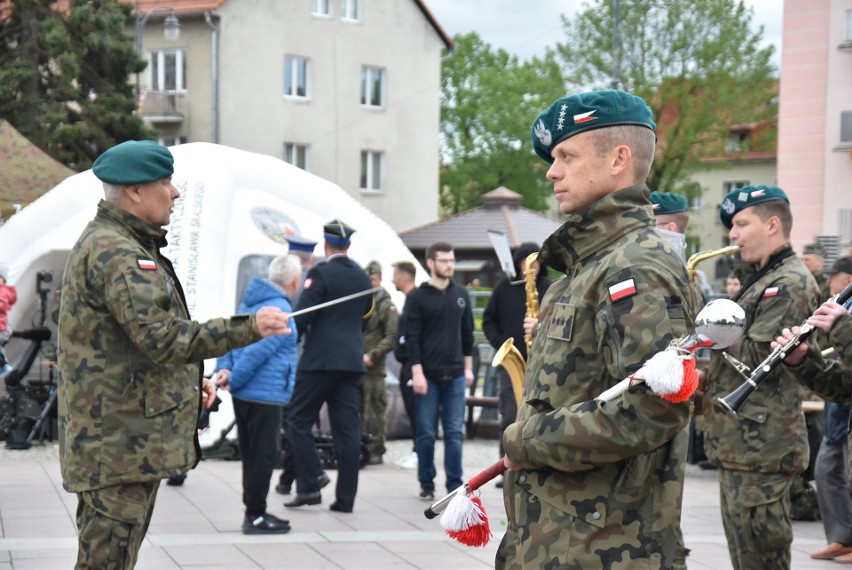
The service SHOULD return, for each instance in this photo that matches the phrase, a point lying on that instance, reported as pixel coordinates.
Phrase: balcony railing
(164, 106)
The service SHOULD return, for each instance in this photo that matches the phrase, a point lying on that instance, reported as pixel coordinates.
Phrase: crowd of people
(595, 483)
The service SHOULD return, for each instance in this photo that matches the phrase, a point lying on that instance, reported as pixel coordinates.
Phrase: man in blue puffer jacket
(260, 378)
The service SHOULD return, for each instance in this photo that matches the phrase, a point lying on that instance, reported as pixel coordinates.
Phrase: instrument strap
(773, 262)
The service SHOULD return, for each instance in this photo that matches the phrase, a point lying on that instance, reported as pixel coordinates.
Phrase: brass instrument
(507, 355)
(697, 258)
(735, 399)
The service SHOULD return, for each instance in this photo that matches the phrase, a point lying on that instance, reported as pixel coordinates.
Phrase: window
(846, 127)
(848, 36)
(728, 186)
(167, 70)
(296, 76)
(296, 154)
(350, 9)
(372, 170)
(171, 141)
(321, 8)
(695, 202)
(372, 86)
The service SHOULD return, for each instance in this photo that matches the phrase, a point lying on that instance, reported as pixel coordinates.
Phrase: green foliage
(697, 64)
(64, 77)
(488, 102)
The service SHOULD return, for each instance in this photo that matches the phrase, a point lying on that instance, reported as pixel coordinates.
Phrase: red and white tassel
(671, 375)
(465, 520)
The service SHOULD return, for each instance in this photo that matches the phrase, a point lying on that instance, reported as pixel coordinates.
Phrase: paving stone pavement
(197, 526)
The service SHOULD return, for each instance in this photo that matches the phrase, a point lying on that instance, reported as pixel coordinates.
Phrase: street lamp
(171, 30)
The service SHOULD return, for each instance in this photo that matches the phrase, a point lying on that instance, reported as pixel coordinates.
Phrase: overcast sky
(524, 28)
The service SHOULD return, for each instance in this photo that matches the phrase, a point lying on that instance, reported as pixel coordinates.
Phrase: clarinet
(733, 401)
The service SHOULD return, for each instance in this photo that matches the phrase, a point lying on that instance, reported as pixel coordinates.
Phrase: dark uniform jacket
(768, 434)
(504, 314)
(601, 482)
(130, 357)
(334, 336)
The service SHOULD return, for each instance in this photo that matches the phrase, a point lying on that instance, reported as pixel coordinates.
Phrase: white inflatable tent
(234, 211)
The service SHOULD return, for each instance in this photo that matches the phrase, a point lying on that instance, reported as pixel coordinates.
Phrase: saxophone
(507, 355)
(697, 258)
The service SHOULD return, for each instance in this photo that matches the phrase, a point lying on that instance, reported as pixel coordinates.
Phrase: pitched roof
(501, 212)
(26, 171)
(201, 6)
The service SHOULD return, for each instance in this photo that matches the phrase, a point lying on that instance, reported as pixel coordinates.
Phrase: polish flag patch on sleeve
(770, 292)
(308, 282)
(146, 264)
(626, 288)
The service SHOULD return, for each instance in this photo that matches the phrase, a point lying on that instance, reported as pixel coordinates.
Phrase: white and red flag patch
(147, 264)
(585, 117)
(770, 292)
(308, 282)
(626, 288)
(758, 194)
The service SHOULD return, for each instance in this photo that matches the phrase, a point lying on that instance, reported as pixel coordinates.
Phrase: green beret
(337, 232)
(373, 268)
(575, 114)
(667, 203)
(739, 199)
(815, 249)
(134, 162)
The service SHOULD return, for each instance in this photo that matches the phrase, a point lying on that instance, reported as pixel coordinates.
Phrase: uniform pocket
(765, 507)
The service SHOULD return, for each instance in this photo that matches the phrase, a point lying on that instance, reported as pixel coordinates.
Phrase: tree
(488, 102)
(64, 69)
(697, 64)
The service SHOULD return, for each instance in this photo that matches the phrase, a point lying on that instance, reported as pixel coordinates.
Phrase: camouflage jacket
(768, 435)
(130, 357)
(381, 332)
(601, 483)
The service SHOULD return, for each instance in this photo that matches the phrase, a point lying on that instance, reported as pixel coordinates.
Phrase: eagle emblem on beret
(542, 134)
(728, 206)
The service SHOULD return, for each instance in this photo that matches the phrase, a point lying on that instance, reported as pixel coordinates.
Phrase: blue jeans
(444, 400)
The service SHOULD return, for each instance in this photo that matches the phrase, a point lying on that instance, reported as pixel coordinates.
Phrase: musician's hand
(272, 321)
(826, 315)
(510, 464)
(208, 393)
(468, 377)
(529, 326)
(368, 362)
(797, 356)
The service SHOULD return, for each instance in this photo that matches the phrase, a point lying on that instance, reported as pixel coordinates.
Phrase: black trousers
(507, 402)
(341, 390)
(258, 433)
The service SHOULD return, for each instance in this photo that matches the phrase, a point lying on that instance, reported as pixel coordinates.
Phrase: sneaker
(409, 461)
(427, 494)
(265, 524)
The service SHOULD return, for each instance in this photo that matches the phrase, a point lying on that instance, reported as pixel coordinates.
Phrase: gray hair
(112, 192)
(284, 268)
(641, 141)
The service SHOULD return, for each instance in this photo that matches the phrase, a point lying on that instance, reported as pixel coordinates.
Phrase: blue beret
(337, 232)
(739, 199)
(298, 243)
(134, 162)
(575, 114)
(667, 203)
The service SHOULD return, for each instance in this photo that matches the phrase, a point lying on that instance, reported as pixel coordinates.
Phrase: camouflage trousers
(111, 524)
(374, 406)
(756, 517)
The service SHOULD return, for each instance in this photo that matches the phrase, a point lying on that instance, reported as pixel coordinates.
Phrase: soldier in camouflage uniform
(378, 341)
(599, 484)
(761, 450)
(813, 256)
(130, 385)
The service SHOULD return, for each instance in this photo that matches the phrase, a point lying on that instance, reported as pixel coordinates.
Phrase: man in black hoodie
(504, 318)
(439, 340)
